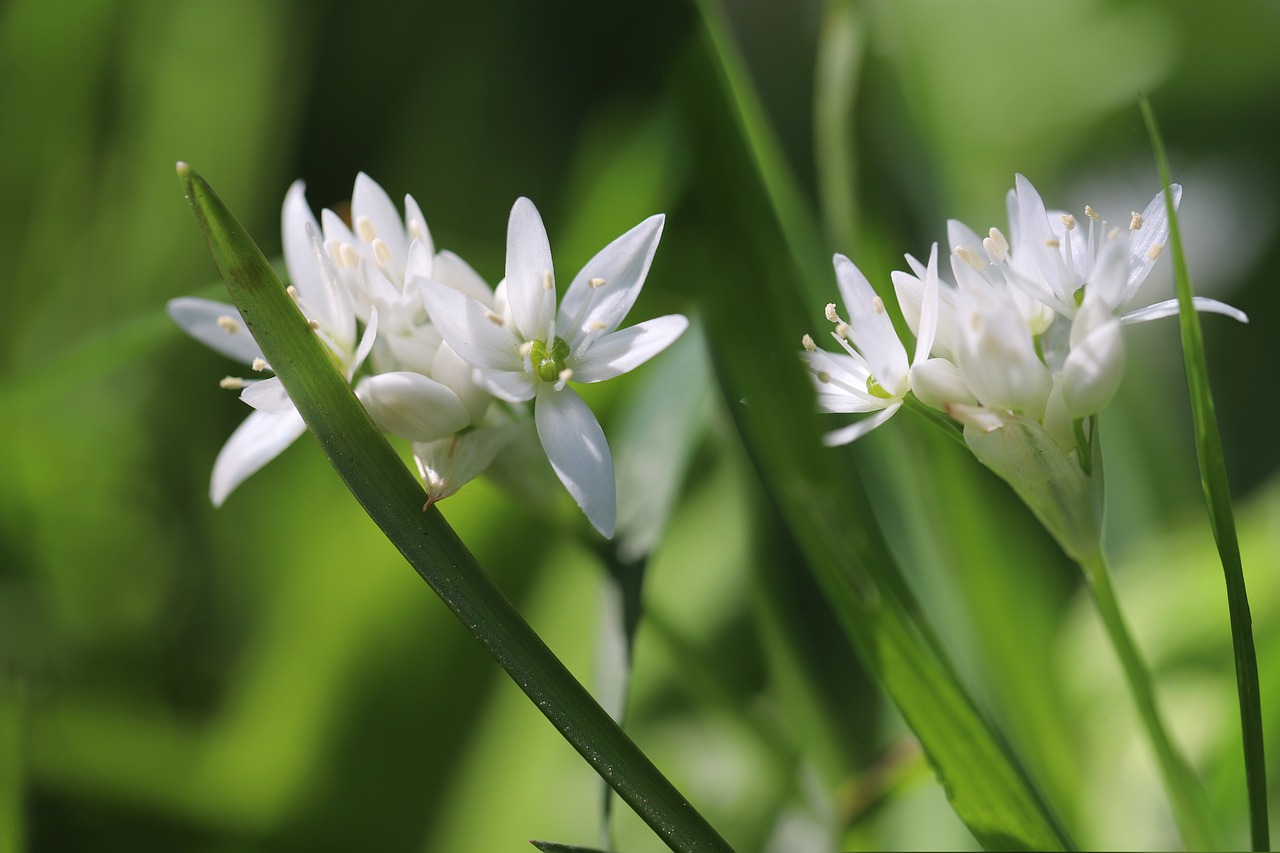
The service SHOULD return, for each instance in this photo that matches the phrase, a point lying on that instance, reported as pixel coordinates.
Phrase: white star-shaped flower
(538, 348)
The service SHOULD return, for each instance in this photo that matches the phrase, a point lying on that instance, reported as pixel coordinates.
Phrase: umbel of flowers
(436, 355)
(1022, 348)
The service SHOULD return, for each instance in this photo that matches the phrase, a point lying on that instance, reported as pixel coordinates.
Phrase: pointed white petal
(370, 200)
(453, 271)
(299, 258)
(471, 329)
(857, 430)
(872, 331)
(1094, 368)
(200, 318)
(448, 464)
(377, 292)
(335, 230)
(579, 454)
(261, 438)
(327, 300)
(267, 396)
(622, 266)
(366, 344)
(1142, 243)
(1169, 308)
(412, 406)
(420, 232)
(937, 382)
(529, 271)
(928, 310)
(511, 386)
(619, 352)
(421, 263)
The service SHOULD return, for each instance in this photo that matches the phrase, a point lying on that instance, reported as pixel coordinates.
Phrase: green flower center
(875, 389)
(549, 365)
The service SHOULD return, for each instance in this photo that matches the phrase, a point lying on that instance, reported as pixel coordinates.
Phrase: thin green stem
(1217, 494)
(1190, 806)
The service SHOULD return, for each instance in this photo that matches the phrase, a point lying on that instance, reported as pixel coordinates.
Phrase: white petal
(199, 319)
(857, 430)
(453, 271)
(471, 329)
(579, 454)
(412, 406)
(261, 438)
(529, 271)
(1154, 232)
(937, 382)
(448, 464)
(511, 386)
(369, 199)
(414, 213)
(450, 369)
(267, 396)
(928, 310)
(619, 352)
(327, 301)
(1169, 308)
(1093, 370)
(379, 293)
(871, 329)
(421, 263)
(299, 258)
(366, 344)
(622, 265)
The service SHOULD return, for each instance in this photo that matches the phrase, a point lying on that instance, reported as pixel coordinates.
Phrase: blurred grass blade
(1217, 495)
(557, 847)
(12, 758)
(752, 317)
(393, 498)
(835, 87)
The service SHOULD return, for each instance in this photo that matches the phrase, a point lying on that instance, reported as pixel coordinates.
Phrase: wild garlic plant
(1019, 354)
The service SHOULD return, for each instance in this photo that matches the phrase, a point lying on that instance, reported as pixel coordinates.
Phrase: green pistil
(548, 366)
(1079, 296)
(875, 390)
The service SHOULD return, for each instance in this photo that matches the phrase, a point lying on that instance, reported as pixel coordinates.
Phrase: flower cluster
(444, 360)
(1029, 330)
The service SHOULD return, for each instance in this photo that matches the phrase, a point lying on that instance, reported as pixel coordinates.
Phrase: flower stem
(1190, 806)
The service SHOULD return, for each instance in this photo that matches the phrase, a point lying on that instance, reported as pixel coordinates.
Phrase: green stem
(1190, 806)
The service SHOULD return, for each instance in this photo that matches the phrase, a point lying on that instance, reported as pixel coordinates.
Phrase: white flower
(408, 404)
(534, 352)
(872, 374)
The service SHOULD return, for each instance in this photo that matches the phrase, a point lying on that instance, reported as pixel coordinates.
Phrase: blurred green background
(271, 676)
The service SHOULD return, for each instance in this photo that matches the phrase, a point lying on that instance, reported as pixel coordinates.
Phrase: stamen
(999, 243)
(563, 377)
(1069, 221)
(259, 365)
(348, 256)
(832, 316)
(228, 324)
(1053, 243)
(843, 330)
(315, 326)
(364, 227)
(493, 318)
(381, 252)
(1135, 220)
(808, 344)
(1091, 213)
(823, 376)
(548, 280)
(596, 282)
(1113, 233)
(232, 383)
(1154, 251)
(293, 292)
(963, 253)
(878, 304)
(525, 349)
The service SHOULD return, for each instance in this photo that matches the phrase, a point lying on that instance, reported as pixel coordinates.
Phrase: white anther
(526, 348)
(381, 252)
(832, 316)
(878, 304)
(808, 344)
(823, 376)
(348, 256)
(1135, 220)
(259, 365)
(596, 326)
(228, 324)
(994, 253)
(293, 292)
(232, 383)
(997, 236)
(596, 282)
(1091, 213)
(1069, 221)
(315, 327)
(493, 318)
(1053, 243)
(364, 227)
(565, 375)
(1154, 251)
(548, 280)
(842, 329)
(1113, 233)
(963, 253)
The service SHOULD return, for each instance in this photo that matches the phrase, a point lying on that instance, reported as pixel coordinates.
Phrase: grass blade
(1217, 495)
(393, 498)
